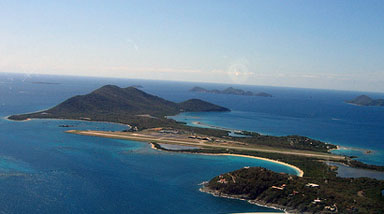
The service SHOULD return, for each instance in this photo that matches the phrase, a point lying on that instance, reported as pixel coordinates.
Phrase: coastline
(254, 202)
(7, 118)
(194, 123)
(350, 148)
(214, 193)
(200, 124)
(33, 112)
(337, 148)
(298, 170)
(300, 173)
(95, 121)
(205, 125)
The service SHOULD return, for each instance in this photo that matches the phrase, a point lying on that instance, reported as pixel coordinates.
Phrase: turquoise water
(319, 114)
(356, 137)
(44, 170)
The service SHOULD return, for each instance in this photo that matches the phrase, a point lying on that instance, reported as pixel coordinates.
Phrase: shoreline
(149, 139)
(300, 173)
(254, 202)
(350, 148)
(204, 125)
(340, 148)
(337, 148)
(7, 118)
(198, 123)
(95, 121)
(214, 193)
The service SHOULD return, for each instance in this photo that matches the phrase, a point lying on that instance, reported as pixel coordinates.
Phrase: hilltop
(114, 104)
(230, 90)
(364, 100)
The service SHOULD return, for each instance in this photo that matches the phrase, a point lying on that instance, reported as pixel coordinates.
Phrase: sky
(311, 44)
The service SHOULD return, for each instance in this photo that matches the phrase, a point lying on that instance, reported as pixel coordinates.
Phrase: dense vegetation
(196, 105)
(350, 195)
(330, 195)
(291, 142)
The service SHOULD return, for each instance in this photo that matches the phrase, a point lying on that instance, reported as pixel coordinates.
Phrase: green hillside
(115, 104)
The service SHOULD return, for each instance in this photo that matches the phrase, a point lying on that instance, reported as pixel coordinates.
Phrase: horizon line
(186, 81)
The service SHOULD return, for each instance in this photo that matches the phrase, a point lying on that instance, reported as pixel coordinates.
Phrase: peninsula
(230, 90)
(364, 100)
(299, 194)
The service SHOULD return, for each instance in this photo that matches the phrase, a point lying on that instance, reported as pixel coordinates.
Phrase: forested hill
(300, 195)
(112, 101)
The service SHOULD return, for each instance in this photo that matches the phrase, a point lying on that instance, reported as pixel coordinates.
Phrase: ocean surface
(44, 170)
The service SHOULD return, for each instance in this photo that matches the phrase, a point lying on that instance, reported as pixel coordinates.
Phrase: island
(146, 115)
(364, 100)
(230, 90)
(129, 105)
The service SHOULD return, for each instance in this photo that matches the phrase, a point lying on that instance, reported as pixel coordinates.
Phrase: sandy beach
(300, 172)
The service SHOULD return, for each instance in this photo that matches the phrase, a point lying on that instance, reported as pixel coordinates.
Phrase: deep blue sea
(44, 170)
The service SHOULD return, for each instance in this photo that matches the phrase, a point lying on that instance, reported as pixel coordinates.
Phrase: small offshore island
(364, 100)
(316, 189)
(230, 90)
